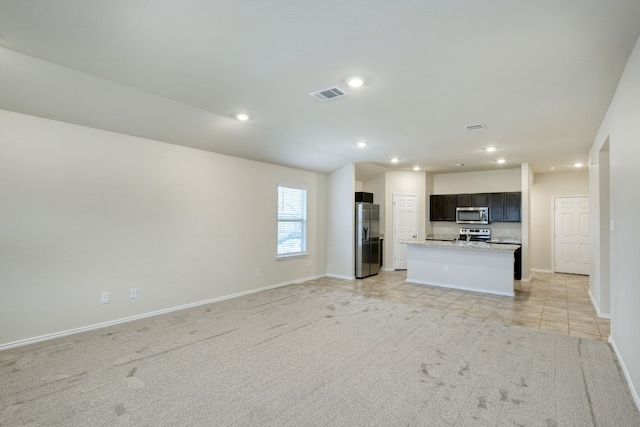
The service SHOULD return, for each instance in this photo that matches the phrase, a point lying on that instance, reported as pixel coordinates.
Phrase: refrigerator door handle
(365, 234)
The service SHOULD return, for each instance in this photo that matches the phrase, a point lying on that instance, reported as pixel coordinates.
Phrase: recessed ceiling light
(242, 117)
(362, 144)
(501, 160)
(416, 168)
(490, 149)
(355, 82)
(394, 160)
(578, 165)
(552, 168)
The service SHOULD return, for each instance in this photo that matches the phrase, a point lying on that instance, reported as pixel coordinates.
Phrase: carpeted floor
(304, 355)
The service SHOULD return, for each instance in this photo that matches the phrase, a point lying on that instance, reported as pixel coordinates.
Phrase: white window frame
(292, 210)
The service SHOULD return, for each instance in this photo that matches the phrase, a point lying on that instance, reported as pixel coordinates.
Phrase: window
(292, 221)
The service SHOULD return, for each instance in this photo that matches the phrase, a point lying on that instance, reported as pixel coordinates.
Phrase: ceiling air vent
(474, 128)
(328, 94)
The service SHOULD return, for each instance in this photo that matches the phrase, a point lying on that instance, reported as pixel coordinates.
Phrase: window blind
(292, 221)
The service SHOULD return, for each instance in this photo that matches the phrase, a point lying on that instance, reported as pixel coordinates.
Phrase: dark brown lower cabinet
(517, 264)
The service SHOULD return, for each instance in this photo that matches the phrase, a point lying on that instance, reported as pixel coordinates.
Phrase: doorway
(571, 235)
(405, 227)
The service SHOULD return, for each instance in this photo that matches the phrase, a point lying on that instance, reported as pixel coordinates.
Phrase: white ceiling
(539, 73)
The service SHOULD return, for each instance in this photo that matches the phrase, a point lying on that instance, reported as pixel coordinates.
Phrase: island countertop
(463, 244)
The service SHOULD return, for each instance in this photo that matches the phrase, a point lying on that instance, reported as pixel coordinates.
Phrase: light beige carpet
(302, 355)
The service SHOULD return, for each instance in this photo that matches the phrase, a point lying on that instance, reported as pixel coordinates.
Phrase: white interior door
(405, 227)
(571, 235)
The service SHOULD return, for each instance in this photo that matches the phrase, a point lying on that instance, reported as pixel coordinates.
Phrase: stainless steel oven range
(475, 234)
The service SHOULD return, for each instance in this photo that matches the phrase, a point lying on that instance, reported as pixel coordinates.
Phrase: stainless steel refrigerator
(367, 239)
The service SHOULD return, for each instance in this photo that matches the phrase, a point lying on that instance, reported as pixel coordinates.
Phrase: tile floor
(550, 302)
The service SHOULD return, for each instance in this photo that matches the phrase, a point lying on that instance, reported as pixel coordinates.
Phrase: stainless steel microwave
(472, 215)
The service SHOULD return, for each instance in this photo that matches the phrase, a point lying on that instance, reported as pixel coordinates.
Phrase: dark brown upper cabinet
(464, 200)
(503, 207)
(512, 207)
(450, 204)
(436, 211)
(443, 207)
(480, 200)
(496, 207)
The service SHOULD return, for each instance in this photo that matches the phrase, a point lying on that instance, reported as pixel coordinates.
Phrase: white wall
(600, 278)
(84, 211)
(525, 218)
(428, 176)
(340, 223)
(621, 128)
(495, 181)
(543, 190)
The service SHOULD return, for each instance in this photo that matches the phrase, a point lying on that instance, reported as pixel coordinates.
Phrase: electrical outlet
(104, 298)
(133, 293)
(506, 231)
(257, 272)
(309, 263)
(446, 268)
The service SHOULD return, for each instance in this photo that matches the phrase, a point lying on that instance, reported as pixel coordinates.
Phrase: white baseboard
(632, 389)
(536, 270)
(595, 305)
(150, 314)
(461, 288)
(339, 276)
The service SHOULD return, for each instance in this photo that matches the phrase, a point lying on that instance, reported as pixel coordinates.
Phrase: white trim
(150, 314)
(460, 287)
(292, 256)
(595, 305)
(526, 279)
(339, 276)
(541, 270)
(632, 389)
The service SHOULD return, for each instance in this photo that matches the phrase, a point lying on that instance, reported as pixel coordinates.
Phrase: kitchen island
(470, 266)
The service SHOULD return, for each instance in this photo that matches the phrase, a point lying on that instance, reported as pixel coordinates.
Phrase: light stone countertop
(442, 236)
(463, 244)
